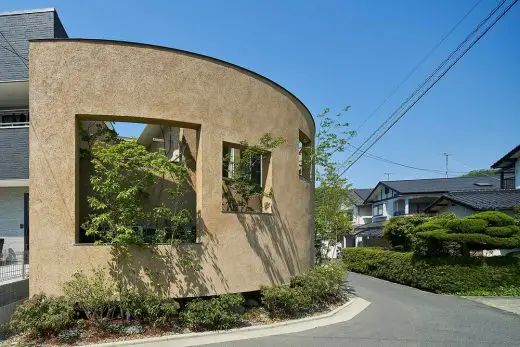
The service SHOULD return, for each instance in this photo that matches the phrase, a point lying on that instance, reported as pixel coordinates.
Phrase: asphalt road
(403, 316)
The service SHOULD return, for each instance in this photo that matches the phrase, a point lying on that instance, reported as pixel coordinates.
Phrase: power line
(434, 48)
(376, 157)
(443, 73)
(428, 79)
(13, 50)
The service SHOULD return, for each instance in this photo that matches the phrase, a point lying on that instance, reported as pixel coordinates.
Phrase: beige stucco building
(78, 80)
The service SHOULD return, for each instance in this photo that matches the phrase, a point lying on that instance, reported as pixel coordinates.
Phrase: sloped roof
(359, 195)
(508, 160)
(481, 200)
(439, 185)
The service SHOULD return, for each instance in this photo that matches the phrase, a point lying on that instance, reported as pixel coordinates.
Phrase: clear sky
(337, 53)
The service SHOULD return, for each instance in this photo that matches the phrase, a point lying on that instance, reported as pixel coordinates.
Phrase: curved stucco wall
(123, 81)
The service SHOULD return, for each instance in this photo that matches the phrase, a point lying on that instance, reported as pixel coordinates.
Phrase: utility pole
(446, 155)
(388, 175)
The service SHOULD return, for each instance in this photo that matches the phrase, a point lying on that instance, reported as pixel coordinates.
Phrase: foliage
(400, 230)
(41, 316)
(215, 313)
(149, 307)
(331, 220)
(485, 230)
(69, 336)
(512, 290)
(95, 295)
(241, 187)
(123, 173)
(494, 218)
(448, 275)
(467, 225)
(480, 172)
(284, 301)
(310, 291)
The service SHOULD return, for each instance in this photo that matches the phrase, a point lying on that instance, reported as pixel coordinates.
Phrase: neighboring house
(397, 198)
(17, 29)
(506, 198)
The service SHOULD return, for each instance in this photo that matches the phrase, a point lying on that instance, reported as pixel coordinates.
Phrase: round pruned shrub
(216, 313)
(400, 230)
(494, 218)
(42, 316)
(436, 222)
(467, 225)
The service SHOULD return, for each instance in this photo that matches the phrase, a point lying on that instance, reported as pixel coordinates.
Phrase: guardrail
(14, 265)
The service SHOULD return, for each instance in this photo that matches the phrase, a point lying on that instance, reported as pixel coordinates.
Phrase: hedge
(494, 218)
(447, 275)
(467, 225)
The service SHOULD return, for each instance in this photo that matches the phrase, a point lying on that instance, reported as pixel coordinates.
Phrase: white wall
(457, 210)
(11, 211)
(517, 174)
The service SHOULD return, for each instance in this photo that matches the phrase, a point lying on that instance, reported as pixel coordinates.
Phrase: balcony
(508, 183)
(399, 213)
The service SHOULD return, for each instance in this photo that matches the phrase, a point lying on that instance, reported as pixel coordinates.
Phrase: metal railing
(14, 265)
(14, 125)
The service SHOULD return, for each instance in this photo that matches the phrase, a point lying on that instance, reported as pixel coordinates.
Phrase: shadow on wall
(272, 240)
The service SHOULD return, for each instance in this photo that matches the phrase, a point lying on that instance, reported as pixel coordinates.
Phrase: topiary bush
(41, 316)
(447, 275)
(503, 231)
(216, 313)
(467, 225)
(494, 218)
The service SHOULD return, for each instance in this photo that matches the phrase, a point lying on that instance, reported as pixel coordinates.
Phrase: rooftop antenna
(388, 175)
(446, 155)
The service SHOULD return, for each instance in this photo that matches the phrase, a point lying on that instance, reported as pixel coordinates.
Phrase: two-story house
(506, 198)
(396, 198)
(17, 29)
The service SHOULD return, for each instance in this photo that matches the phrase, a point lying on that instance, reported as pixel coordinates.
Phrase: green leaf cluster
(446, 275)
(216, 313)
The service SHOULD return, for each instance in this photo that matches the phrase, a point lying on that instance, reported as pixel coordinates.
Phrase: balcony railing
(508, 183)
(14, 125)
(399, 213)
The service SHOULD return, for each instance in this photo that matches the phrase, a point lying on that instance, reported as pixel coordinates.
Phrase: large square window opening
(136, 180)
(304, 157)
(245, 180)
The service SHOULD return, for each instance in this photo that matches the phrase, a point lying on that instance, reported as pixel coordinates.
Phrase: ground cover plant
(93, 310)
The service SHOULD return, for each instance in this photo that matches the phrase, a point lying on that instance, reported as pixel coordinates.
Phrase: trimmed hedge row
(447, 275)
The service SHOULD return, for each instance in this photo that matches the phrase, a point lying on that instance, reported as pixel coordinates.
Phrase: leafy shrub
(41, 316)
(149, 307)
(400, 230)
(309, 291)
(215, 313)
(324, 284)
(435, 222)
(285, 301)
(440, 275)
(94, 294)
(467, 225)
(494, 218)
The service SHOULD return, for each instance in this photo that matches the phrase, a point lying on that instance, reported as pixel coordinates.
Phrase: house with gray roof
(396, 198)
(505, 198)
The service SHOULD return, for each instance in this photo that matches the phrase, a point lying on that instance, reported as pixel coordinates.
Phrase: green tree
(122, 176)
(331, 220)
(480, 172)
(240, 187)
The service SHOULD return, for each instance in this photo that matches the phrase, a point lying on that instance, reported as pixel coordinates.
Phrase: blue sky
(337, 53)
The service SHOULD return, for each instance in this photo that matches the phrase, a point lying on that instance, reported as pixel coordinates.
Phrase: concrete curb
(341, 314)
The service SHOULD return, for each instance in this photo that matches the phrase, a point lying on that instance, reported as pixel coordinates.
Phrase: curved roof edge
(197, 55)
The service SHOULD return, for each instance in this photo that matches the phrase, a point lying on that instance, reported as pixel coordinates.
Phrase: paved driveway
(403, 316)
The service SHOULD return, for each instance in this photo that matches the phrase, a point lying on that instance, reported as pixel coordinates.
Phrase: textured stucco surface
(119, 81)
